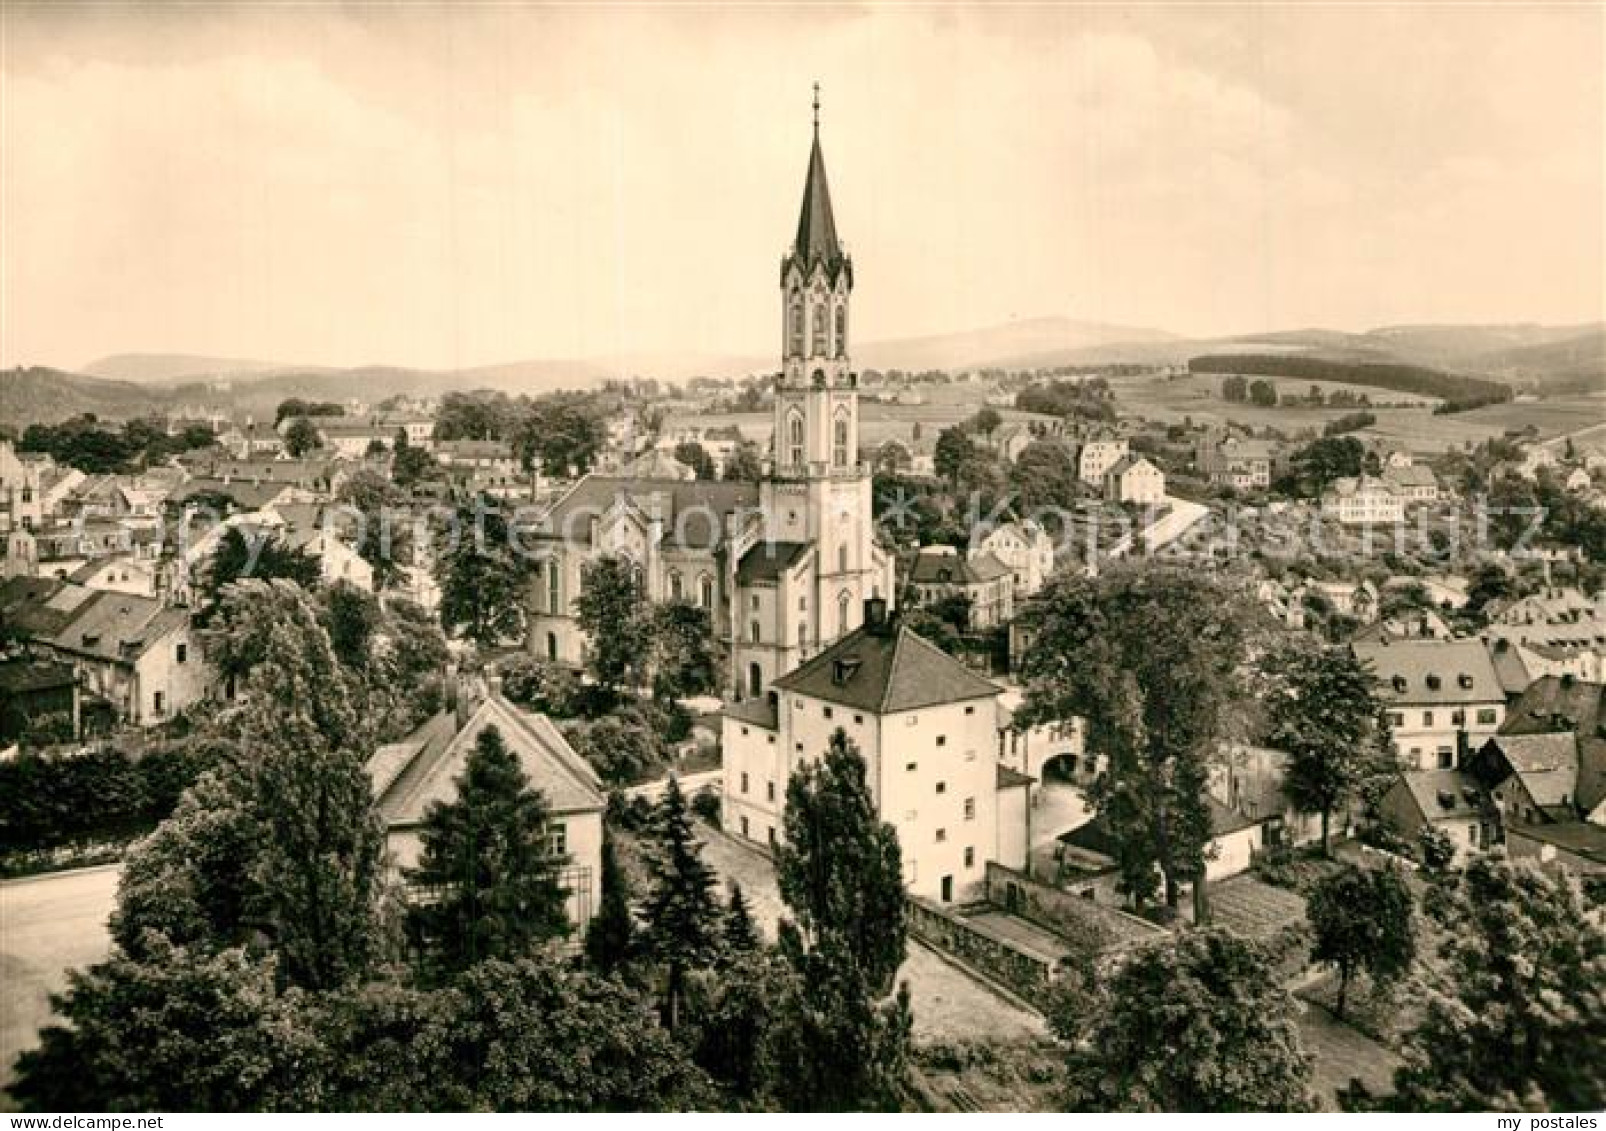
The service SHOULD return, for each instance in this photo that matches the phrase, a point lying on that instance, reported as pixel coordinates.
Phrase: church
(784, 565)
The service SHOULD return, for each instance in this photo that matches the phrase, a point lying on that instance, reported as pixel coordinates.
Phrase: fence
(1087, 927)
(1010, 965)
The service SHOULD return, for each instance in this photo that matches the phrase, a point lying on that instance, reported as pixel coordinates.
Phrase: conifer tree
(488, 867)
(840, 869)
(611, 936)
(682, 916)
(741, 933)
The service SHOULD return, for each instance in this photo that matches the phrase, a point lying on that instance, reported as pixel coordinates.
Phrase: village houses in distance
(748, 571)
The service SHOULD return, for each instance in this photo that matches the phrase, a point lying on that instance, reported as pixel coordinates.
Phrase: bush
(705, 803)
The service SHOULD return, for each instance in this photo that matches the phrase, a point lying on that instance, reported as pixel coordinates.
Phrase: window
(970, 808)
(769, 834)
(769, 791)
(744, 781)
(842, 331)
(912, 766)
(159, 702)
(552, 646)
(942, 787)
(828, 712)
(802, 634)
(755, 679)
(971, 709)
(839, 441)
(942, 740)
(970, 857)
(1396, 718)
(557, 839)
(753, 632)
(947, 889)
(674, 586)
(817, 345)
(942, 836)
(752, 602)
(744, 828)
(843, 603)
(1446, 758)
(1458, 718)
(794, 437)
(1427, 718)
(1486, 716)
(182, 653)
(795, 346)
(707, 591)
(858, 718)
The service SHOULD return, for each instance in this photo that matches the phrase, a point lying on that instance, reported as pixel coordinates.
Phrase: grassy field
(1418, 429)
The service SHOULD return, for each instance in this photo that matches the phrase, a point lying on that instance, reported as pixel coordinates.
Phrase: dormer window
(1433, 682)
(844, 668)
(1399, 683)
(1464, 681)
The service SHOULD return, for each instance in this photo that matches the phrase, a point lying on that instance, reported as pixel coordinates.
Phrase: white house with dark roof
(927, 728)
(1451, 801)
(1133, 479)
(411, 775)
(1442, 698)
(1024, 547)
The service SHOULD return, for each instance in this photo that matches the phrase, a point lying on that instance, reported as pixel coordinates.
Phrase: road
(48, 925)
(1170, 526)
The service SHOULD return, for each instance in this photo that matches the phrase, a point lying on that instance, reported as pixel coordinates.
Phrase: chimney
(875, 615)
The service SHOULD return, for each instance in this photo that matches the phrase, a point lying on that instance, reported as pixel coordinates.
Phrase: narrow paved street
(48, 925)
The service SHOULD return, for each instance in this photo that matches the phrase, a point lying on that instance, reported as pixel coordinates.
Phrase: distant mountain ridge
(1549, 358)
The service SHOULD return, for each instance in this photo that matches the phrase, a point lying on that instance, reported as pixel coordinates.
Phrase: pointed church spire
(816, 227)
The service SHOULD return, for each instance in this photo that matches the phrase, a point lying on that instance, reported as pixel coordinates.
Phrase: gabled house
(940, 572)
(1024, 547)
(1442, 698)
(411, 775)
(1562, 705)
(1531, 778)
(1451, 801)
(139, 656)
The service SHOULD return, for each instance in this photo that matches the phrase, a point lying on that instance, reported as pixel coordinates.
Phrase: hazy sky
(441, 187)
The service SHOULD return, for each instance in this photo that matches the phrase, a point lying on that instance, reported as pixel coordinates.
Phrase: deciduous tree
(1364, 919)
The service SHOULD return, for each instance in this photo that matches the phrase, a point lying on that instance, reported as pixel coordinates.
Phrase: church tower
(816, 406)
(817, 493)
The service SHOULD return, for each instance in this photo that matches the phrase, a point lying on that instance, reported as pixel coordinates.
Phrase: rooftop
(886, 671)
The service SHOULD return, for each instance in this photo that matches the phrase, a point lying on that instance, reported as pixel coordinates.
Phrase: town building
(1442, 698)
(1135, 481)
(938, 573)
(1414, 483)
(1362, 501)
(926, 726)
(411, 775)
(1024, 547)
(137, 655)
(1097, 457)
(784, 564)
(1244, 465)
(1449, 800)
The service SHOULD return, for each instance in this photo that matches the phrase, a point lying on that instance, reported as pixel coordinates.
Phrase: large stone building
(927, 727)
(784, 565)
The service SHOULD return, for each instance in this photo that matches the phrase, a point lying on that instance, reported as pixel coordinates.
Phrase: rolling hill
(170, 368)
(44, 396)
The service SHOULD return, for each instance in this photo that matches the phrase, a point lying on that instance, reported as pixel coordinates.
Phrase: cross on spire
(816, 109)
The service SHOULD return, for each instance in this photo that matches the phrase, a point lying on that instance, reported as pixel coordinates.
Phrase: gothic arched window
(795, 328)
(706, 586)
(818, 344)
(674, 585)
(842, 558)
(755, 680)
(553, 587)
(794, 437)
(844, 603)
(753, 631)
(842, 331)
(839, 440)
